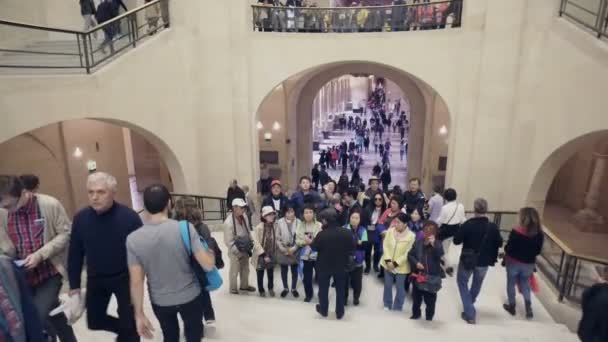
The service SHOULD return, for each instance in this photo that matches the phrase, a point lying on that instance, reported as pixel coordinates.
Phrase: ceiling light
(77, 152)
(443, 130)
(259, 125)
(276, 126)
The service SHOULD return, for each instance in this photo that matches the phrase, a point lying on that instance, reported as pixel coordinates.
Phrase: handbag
(427, 282)
(242, 243)
(469, 256)
(444, 232)
(211, 280)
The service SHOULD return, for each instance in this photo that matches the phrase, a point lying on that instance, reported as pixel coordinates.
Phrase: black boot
(529, 313)
(509, 308)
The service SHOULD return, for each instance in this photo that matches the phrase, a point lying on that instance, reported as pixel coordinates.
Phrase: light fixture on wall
(276, 126)
(259, 125)
(267, 136)
(77, 153)
(443, 130)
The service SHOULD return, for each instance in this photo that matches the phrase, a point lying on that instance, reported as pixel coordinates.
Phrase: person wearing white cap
(238, 239)
(265, 249)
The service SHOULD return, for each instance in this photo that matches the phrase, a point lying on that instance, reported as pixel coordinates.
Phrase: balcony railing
(213, 209)
(37, 47)
(592, 14)
(419, 16)
(569, 272)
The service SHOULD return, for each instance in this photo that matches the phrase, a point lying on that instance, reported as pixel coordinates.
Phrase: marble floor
(251, 318)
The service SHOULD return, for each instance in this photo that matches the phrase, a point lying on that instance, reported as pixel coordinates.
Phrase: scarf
(268, 240)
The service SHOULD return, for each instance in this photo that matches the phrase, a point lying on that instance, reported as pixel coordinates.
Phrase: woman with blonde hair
(524, 245)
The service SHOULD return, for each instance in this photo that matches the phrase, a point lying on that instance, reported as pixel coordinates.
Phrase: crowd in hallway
(329, 240)
(355, 16)
(386, 119)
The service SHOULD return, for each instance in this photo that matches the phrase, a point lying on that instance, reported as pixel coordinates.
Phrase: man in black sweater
(99, 233)
(482, 238)
(335, 246)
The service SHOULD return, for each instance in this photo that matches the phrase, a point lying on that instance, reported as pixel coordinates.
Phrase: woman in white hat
(265, 249)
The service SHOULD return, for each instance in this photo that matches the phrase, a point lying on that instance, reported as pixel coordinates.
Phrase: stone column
(588, 219)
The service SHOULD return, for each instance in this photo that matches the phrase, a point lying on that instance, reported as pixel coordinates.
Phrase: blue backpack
(210, 280)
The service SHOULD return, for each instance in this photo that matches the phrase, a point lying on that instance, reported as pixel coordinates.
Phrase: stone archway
(429, 112)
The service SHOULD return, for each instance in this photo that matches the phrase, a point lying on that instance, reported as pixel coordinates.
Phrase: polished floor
(251, 318)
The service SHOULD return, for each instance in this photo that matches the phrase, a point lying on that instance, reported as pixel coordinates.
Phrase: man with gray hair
(480, 241)
(34, 230)
(99, 233)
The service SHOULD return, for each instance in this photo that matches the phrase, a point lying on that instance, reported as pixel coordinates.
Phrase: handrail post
(86, 52)
(602, 17)
(562, 289)
(562, 7)
(135, 28)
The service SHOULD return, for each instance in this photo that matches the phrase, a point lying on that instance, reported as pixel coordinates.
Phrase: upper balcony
(26, 48)
(273, 16)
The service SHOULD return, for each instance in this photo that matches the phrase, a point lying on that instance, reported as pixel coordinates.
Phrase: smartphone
(19, 263)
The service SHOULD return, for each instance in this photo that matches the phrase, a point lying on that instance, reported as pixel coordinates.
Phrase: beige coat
(258, 237)
(57, 230)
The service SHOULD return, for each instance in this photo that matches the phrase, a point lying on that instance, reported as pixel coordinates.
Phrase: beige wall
(512, 78)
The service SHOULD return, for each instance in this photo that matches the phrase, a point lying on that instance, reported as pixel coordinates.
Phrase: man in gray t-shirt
(157, 251)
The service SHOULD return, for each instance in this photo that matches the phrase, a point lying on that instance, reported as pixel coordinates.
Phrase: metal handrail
(600, 26)
(87, 58)
(357, 7)
(200, 200)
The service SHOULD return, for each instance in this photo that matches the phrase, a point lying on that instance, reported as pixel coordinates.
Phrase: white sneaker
(386, 309)
(210, 322)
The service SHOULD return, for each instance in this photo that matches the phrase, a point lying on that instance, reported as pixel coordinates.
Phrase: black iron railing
(569, 272)
(419, 16)
(212, 208)
(71, 49)
(592, 14)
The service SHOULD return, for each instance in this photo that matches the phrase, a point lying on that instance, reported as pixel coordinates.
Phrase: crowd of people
(355, 16)
(403, 237)
(331, 239)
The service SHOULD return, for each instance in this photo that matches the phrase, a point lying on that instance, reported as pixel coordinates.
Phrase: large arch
(165, 151)
(545, 175)
(429, 111)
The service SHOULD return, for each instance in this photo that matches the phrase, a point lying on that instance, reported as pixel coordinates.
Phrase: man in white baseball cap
(238, 239)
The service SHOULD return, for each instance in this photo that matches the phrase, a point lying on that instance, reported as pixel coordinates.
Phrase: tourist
(375, 209)
(452, 215)
(329, 194)
(238, 240)
(306, 232)
(415, 224)
(152, 16)
(524, 245)
(355, 179)
(31, 183)
(402, 149)
(315, 174)
(480, 241)
(287, 255)
(386, 177)
(397, 244)
(186, 209)
(435, 204)
(374, 187)
(354, 277)
(99, 235)
(414, 197)
(305, 195)
(349, 200)
(277, 200)
(593, 327)
(174, 289)
(343, 184)
(36, 230)
(398, 15)
(334, 246)
(106, 11)
(234, 191)
(265, 250)
(250, 203)
(425, 257)
(323, 175)
(87, 10)
(376, 170)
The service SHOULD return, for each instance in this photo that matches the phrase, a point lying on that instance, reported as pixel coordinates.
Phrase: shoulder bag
(211, 280)
(424, 281)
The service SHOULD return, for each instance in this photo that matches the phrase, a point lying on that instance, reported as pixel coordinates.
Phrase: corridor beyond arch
(295, 95)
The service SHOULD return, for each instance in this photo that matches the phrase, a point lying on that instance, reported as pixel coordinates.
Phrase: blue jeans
(391, 279)
(518, 274)
(469, 295)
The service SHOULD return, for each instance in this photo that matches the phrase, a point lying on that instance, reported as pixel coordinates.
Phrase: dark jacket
(315, 175)
(87, 7)
(335, 246)
(106, 11)
(234, 193)
(592, 327)
(471, 234)
(429, 256)
(524, 248)
(299, 200)
(267, 201)
(323, 177)
(414, 201)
